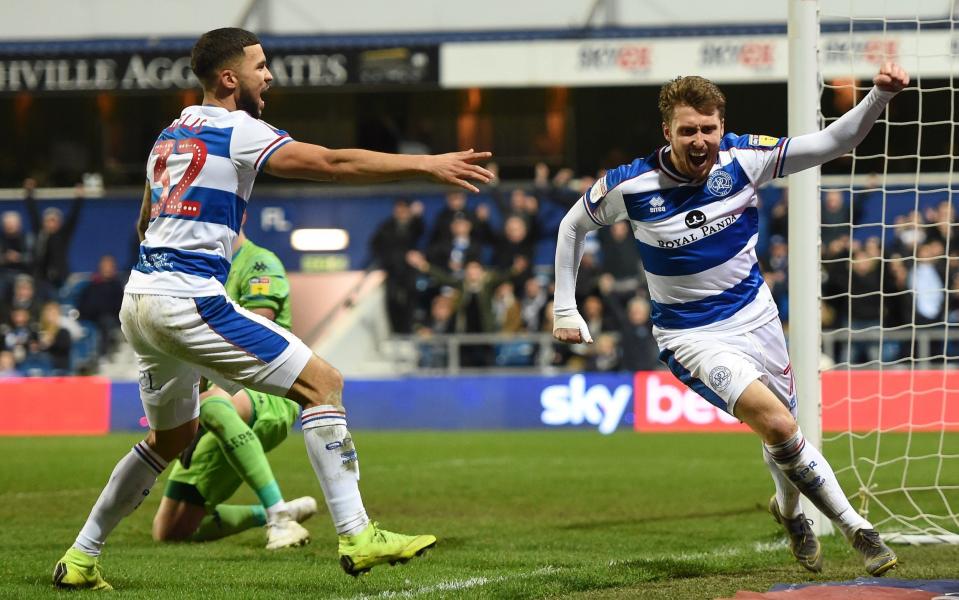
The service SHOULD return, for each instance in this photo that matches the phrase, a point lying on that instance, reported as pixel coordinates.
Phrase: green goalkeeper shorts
(211, 480)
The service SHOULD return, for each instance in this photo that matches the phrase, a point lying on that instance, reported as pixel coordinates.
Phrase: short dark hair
(694, 91)
(215, 49)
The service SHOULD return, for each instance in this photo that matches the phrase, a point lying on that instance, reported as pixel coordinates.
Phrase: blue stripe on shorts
(693, 383)
(246, 334)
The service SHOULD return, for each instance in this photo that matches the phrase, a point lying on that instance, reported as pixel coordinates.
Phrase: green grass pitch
(545, 514)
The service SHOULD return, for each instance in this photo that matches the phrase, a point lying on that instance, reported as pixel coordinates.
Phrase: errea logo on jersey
(656, 204)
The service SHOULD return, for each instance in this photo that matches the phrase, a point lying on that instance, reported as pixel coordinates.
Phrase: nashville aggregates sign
(146, 72)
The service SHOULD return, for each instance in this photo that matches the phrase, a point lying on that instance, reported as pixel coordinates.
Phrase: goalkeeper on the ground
(236, 433)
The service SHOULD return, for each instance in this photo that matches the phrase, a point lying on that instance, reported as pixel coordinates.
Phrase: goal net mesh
(890, 271)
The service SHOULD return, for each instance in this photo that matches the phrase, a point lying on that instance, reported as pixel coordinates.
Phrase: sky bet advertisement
(653, 401)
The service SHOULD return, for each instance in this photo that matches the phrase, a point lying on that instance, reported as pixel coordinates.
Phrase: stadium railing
(519, 353)
(532, 353)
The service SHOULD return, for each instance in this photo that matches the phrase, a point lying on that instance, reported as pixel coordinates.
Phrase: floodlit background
(437, 305)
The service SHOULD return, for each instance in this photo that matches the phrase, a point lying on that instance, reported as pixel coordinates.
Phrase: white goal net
(890, 267)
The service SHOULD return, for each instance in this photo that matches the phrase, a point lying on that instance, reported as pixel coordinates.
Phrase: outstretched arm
(846, 132)
(300, 160)
(568, 324)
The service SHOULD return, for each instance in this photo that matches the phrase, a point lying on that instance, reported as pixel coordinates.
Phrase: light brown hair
(694, 91)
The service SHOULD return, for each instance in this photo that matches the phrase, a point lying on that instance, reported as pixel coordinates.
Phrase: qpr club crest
(720, 378)
(719, 183)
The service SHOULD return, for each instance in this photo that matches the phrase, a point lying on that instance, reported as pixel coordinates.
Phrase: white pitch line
(456, 585)
(758, 548)
(474, 582)
(48, 493)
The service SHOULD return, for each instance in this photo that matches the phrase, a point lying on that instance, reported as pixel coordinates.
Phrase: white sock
(331, 451)
(129, 484)
(787, 496)
(808, 470)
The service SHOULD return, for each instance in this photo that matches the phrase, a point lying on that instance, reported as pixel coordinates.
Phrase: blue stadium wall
(106, 225)
(96, 405)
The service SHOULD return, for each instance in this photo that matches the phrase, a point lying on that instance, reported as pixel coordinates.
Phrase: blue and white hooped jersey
(201, 171)
(697, 241)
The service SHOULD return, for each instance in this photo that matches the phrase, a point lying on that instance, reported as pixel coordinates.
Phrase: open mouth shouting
(698, 158)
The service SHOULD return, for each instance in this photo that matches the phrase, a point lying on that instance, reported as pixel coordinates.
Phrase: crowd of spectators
(482, 268)
(44, 318)
(901, 278)
(475, 271)
(894, 278)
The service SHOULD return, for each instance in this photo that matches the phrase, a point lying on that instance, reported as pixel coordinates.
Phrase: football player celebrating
(693, 209)
(182, 325)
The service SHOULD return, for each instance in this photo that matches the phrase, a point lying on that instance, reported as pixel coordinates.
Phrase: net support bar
(804, 280)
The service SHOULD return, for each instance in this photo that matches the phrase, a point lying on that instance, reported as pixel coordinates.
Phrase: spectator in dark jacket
(835, 219)
(24, 295)
(394, 238)
(53, 236)
(514, 241)
(456, 208)
(52, 340)
(17, 335)
(474, 306)
(621, 258)
(14, 244)
(100, 302)
(8, 366)
(559, 190)
(639, 349)
(520, 204)
(434, 355)
(453, 252)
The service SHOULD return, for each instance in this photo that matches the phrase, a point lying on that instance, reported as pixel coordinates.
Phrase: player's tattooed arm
(144, 220)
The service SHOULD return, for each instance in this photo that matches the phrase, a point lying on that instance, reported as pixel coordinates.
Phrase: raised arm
(849, 130)
(79, 199)
(300, 160)
(29, 187)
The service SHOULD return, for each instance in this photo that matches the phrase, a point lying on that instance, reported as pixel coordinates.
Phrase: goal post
(874, 267)
(803, 87)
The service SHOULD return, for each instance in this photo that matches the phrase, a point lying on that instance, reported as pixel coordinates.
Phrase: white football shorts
(177, 340)
(720, 366)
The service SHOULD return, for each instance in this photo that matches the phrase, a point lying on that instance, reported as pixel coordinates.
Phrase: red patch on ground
(842, 592)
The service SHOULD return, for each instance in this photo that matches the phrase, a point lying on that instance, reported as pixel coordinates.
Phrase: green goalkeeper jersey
(257, 279)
